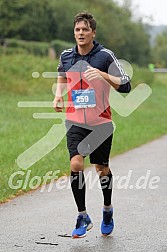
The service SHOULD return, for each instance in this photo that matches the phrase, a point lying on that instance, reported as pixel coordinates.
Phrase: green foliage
(49, 20)
(27, 19)
(136, 46)
(59, 46)
(33, 47)
(12, 50)
(64, 12)
(160, 50)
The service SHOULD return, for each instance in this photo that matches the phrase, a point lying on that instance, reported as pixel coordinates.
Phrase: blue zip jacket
(72, 65)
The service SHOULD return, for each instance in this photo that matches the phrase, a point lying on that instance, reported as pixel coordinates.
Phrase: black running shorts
(94, 141)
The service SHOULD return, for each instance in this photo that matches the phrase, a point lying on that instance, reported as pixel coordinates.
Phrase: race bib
(84, 98)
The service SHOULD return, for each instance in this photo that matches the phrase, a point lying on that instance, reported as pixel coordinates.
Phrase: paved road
(38, 220)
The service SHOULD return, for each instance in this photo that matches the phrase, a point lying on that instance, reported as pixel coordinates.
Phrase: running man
(89, 71)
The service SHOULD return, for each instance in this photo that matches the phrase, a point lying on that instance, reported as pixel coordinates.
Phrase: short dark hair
(87, 18)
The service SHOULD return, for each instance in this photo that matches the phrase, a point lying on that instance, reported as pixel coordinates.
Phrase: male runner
(90, 71)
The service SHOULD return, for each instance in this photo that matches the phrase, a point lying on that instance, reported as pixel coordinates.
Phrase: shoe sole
(107, 234)
(82, 236)
(76, 236)
(89, 226)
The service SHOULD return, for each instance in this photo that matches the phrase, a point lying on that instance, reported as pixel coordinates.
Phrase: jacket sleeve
(125, 87)
(115, 69)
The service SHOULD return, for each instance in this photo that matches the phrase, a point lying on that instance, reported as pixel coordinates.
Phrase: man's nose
(81, 31)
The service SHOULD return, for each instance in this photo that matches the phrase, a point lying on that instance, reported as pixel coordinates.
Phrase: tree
(48, 20)
(27, 19)
(159, 51)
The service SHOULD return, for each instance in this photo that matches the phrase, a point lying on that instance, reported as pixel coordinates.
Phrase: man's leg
(100, 157)
(105, 177)
(78, 188)
(78, 182)
(75, 134)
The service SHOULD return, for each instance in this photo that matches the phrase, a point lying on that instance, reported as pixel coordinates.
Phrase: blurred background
(35, 26)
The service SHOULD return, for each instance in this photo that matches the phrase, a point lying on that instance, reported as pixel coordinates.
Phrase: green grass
(19, 130)
(147, 123)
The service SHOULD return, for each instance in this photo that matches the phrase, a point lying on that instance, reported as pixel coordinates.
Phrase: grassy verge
(19, 130)
(146, 123)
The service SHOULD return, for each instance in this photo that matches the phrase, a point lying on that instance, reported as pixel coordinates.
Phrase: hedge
(34, 47)
(60, 45)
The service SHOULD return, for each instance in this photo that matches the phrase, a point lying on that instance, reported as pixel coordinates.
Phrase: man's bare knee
(102, 170)
(77, 163)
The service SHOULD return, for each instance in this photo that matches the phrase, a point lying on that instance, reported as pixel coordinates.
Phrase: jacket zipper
(103, 102)
(81, 87)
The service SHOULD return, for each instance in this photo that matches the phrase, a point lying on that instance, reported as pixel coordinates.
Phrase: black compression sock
(78, 189)
(106, 185)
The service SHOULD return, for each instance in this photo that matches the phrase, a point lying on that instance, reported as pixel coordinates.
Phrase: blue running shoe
(107, 224)
(82, 225)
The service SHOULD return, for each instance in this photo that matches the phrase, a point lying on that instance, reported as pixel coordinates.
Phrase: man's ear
(94, 34)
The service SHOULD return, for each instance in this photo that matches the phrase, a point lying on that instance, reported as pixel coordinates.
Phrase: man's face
(83, 33)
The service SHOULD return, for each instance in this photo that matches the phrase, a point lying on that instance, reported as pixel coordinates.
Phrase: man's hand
(58, 104)
(93, 73)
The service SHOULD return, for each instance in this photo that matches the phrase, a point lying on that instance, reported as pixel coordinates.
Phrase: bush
(12, 50)
(32, 47)
(35, 48)
(60, 45)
